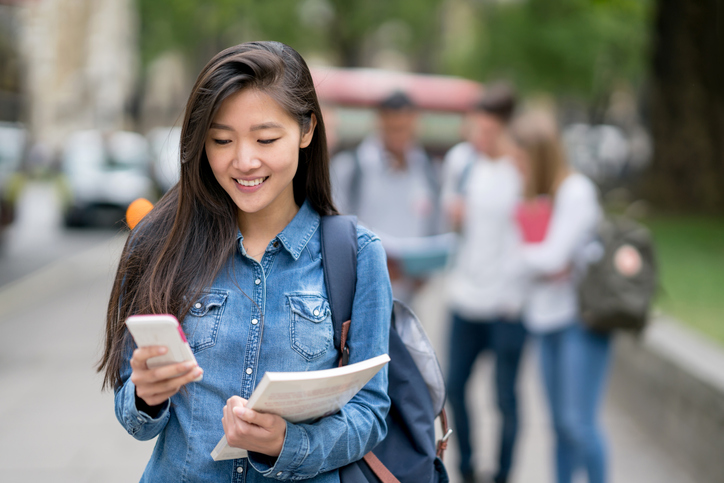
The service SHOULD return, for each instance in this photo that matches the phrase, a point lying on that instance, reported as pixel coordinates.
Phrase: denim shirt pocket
(310, 324)
(201, 325)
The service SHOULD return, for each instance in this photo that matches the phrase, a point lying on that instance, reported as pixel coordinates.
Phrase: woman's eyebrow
(266, 125)
(256, 127)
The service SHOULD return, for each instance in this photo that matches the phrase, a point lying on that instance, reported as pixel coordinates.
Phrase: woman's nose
(247, 158)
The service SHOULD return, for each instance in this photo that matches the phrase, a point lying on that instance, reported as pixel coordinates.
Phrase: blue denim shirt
(287, 327)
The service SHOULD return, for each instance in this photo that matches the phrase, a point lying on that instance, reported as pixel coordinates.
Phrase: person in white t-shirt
(481, 188)
(574, 360)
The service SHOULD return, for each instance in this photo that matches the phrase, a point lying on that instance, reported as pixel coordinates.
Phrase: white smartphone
(162, 330)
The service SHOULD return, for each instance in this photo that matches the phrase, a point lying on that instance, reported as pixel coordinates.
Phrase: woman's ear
(307, 136)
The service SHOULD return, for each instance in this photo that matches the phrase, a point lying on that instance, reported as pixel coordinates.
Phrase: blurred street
(55, 424)
(38, 237)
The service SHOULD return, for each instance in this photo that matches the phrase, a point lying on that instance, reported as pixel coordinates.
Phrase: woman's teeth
(252, 182)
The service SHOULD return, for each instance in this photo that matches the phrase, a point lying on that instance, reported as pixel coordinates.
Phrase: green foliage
(572, 47)
(579, 48)
(200, 29)
(336, 28)
(355, 21)
(691, 260)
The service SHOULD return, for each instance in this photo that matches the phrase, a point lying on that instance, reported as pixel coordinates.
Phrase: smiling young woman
(230, 250)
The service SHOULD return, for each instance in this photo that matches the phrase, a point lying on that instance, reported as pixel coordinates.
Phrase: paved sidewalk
(56, 425)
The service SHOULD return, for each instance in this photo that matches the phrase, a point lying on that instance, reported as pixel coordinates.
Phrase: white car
(104, 173)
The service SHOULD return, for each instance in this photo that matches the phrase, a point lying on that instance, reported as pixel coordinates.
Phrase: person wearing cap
(481, 190)
(390, 183)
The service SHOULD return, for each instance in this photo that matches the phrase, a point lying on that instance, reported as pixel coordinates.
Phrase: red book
(533, 217)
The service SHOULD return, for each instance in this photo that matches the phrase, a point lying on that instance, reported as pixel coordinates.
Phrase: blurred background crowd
(92, 93)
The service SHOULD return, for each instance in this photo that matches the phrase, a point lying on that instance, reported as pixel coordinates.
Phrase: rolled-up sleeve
(344, 437)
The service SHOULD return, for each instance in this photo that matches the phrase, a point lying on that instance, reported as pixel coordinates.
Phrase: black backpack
(409, 453)
(621, 278)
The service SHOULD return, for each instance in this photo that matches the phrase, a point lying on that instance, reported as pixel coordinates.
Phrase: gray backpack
(621, 278)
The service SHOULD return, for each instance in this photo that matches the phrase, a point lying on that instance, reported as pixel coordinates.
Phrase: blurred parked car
(102, 174)
(165, 162)
(13, 143)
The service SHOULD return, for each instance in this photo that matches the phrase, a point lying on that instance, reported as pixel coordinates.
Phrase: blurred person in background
(389, 182)
(482, 187)
(574, 360)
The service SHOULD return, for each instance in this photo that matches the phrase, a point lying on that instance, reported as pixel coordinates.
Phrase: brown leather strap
(345, 331)
(379, 469)
(343, 349)
(442, 444)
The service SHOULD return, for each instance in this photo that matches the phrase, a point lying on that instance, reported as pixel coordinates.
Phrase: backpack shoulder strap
(339, 262)
(431, 175)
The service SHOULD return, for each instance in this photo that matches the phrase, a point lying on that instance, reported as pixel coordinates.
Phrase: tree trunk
(687, 106)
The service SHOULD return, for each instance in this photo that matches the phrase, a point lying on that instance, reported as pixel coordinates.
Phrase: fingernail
(198, 371)
(162, 350)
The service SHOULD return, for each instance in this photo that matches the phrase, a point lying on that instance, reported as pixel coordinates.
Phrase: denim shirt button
(198, 305)
(257, 281)
(239, 469)
(254, 321)
(316, 312)
(279, 474)
(248, 370)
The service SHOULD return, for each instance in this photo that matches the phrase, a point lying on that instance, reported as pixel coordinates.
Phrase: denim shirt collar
(295, 236)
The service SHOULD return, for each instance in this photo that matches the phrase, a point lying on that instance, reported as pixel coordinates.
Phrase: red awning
(368, 87)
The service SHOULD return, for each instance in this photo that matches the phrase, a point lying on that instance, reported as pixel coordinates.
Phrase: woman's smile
(251, 183)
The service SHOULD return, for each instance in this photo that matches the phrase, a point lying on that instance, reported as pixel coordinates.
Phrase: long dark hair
(182, 244)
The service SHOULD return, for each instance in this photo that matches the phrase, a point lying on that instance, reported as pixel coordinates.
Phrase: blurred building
(79, 63)
(165, 89)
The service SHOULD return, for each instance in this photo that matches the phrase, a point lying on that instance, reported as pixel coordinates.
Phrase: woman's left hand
(254, 431)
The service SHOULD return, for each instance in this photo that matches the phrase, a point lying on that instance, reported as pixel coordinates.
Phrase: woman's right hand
(155, 386)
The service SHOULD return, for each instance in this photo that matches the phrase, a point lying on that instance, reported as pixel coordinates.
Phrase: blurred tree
(568, 48)
(339, 29)
(355, 21)
(687, 106)
(201, 29)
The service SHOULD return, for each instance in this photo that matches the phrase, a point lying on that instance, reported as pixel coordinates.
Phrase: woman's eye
(221, 142)
(267, 141)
